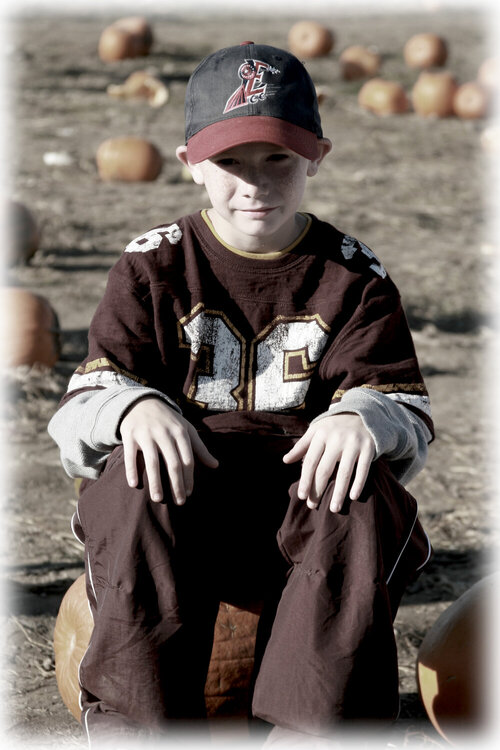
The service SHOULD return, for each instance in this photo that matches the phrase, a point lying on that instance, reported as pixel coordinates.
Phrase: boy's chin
(255, 232)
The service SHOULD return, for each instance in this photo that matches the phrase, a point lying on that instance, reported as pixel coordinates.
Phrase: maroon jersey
(219, 330)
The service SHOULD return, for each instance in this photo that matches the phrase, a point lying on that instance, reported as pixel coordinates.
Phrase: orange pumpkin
(128, 159)
(141, 28)
(72, 633)
(126, 38)
(23, 234)
(228, 682)
(30, 329)
(359, 62)
(488, 74)
(322, 94)
(383, 97)
(308, 39)
(227, 688)
(141, 85)
(471, 101)
(117, 44)
(433, 94)
(451, 663)
(426, 50)
(490, 140)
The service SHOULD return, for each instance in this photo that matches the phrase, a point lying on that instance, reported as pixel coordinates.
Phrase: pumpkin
(30, 329)
(359, 62)
(128, 159)
(118, 44)
(322, 94)
(383, 97)
(141, 85)
(72, 633)
(125, 38)
(141, 28)
(23, 234)
(433, 94)
(490, 140)
(426, 50)
(308, 39)
(227, 687)
(451, 663)
(471, 101)
(488, 74)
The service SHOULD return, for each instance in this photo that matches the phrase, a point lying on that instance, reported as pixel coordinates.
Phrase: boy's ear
(196, 173)
(325, 146)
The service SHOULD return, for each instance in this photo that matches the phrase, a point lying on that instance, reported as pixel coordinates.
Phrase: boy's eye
(278, 157)
(225, 162)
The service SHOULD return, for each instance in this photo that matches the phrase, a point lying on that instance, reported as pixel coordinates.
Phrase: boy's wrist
(131, 406)
(106, 430)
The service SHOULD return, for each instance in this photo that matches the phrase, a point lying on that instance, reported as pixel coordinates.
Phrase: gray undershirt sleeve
(399, 434)
(97, 415)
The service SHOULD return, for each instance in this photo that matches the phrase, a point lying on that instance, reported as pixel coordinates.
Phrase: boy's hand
(340, 441)
(154, 428)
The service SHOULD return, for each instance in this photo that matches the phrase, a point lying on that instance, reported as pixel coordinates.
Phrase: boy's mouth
(258, 212)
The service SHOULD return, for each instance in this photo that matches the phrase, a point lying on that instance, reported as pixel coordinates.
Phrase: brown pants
(330, 583)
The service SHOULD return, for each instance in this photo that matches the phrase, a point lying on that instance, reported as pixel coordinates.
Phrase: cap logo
(251, 90)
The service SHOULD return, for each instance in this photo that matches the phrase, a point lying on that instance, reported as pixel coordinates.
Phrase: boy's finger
(185, 452)
(175, 469)
(152, 466)
(342, 481)
(311, 461)
(362, 471)
(201, 451)
(298, 450)
(130, 460)
(324, 472)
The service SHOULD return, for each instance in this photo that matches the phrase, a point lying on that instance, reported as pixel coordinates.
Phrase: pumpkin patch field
(91, 126)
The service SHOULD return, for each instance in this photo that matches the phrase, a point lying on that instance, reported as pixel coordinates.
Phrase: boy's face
(255, 190)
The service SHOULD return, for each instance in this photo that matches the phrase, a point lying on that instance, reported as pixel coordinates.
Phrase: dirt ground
(415, 190)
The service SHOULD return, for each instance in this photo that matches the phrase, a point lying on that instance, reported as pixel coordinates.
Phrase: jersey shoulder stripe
(153, 239)
(351, 247)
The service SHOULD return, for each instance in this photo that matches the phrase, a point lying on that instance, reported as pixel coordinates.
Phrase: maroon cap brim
(236, 131)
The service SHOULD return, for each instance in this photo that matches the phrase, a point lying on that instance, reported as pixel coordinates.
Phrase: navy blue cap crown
(247, 93)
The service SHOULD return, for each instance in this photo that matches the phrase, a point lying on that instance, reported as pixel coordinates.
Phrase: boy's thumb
(298, 451)
(203, 453)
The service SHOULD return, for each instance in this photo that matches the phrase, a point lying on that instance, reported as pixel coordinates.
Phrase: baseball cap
(248, 93)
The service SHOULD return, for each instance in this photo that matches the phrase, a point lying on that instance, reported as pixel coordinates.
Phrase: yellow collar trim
(258, 256)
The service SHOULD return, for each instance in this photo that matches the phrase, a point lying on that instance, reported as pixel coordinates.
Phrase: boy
(248, 411)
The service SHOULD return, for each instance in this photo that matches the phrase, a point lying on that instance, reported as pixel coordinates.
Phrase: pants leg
(331, 657)
(148, 656)
(156, 574)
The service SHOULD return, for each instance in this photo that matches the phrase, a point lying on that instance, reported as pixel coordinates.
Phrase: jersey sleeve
(373, 368)
(123, 365)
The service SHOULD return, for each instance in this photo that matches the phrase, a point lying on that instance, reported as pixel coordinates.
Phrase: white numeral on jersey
(283, 358)
(222, 361)
(285, 361)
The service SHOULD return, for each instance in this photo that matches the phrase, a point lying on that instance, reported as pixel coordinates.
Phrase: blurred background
(93, 109)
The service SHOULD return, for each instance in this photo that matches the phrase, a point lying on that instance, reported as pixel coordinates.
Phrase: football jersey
(220, 330)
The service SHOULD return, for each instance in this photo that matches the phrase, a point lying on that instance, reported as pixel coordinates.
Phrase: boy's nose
(255, 181)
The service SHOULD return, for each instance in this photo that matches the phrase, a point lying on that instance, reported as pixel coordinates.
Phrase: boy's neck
(256, 244)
